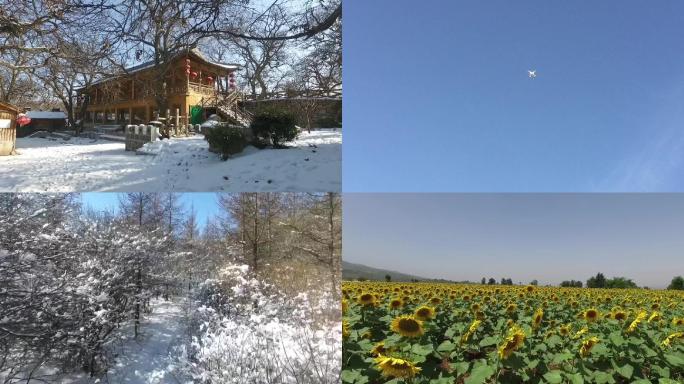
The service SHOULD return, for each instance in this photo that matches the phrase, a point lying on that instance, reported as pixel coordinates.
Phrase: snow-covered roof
(149, 64)
(46, 115)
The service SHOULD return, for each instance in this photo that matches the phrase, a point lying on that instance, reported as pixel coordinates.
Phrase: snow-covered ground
(313, 163)
(146, 360)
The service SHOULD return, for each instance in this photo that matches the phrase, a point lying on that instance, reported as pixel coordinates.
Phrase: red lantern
(187, 71)
(193, 74)
(210, 79)
(22, 119)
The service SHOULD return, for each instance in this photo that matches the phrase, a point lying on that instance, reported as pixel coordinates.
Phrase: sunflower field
(471, 334)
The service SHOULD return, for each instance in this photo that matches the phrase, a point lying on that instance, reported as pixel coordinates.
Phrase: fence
(138, 135)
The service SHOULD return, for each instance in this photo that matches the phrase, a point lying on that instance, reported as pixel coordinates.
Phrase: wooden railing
(202, 89)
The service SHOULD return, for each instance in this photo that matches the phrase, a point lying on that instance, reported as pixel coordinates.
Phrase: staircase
(235, 113)
(227, 107)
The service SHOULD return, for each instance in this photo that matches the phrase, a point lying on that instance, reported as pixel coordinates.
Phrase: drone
(532, 74)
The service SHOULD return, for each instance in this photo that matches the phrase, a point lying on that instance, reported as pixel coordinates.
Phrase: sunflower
(587, 345)
(345, 329)
(396, 303)
(345, 305)
(537, 318)
(635, 324)
(395, 367)
(424, 313)
(655, 316)
(513, 341)
(619, 315)
(564, 330)
(473, 327)
(407, 326)
(475, 307)
(668, 340)
(367, 299)
(512, 307)
(580, 333)
(435, 300)
(530, 288)
(379, 349)
(590, 315)
(678, 321)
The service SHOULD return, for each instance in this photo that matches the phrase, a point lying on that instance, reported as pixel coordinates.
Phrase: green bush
(278, 125)
(226, 140)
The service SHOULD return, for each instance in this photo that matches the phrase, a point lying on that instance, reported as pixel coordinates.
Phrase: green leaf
(487, 341)
(675, 359)
(600, 350)
(641, 381)
(625, 371)
(575, 378)
(553, 377)
(603, 377)
(661, 371)
(648, 352)
(442, 380)
(667, 381)
(480, 374)
(460, 367)
(365, 344)
(422, 349)
(446, 346)
(561, 357)
(616, 338)
(553, 340)
(354, 376)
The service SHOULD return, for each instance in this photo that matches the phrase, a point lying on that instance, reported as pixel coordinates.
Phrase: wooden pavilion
(193, 83)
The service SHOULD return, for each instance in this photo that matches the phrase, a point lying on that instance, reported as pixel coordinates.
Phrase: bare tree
(320, 232)
(317, 17)
(78, 64)
(320, 70)
(261, 59)
(161, 29)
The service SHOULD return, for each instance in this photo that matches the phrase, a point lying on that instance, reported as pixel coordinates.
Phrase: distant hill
(352, 271)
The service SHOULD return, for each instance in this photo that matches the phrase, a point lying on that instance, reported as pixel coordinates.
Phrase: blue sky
(205, 204)
(548, 237)
(437, 96)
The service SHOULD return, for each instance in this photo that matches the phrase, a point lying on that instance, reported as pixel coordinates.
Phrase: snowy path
(147, 360)
(313, 163)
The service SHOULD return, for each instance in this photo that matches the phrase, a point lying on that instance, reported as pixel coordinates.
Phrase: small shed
(43, 121)
(8, 130)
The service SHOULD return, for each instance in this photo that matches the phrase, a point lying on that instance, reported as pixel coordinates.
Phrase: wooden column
(130, 115)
